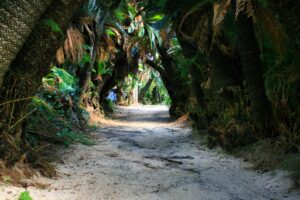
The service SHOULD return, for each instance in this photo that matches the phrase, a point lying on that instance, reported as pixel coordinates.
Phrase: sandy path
(140, 155)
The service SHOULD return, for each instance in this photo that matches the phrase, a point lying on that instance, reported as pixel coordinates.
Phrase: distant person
(112, 96)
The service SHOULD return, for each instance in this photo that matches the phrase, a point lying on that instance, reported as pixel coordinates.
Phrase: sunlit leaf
(25, 196)
(156, 17)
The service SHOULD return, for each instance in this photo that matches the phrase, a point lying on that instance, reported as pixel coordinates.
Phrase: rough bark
(253, 70)
(25, 75)
(225, 69)
(17, 19)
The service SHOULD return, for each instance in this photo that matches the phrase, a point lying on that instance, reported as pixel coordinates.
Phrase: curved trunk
(190, 52)
(119, 73)
(17, 19)
(194, 37)
(176, 87)
(253, 71)
(25, 75)
(87, 73)
(180, 101)
(145, 89)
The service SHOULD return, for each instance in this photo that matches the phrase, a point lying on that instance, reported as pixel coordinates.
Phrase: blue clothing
(112, 96)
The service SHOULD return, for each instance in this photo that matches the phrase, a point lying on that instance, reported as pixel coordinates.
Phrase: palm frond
(244, 6)
(73, 45)
(268, 23)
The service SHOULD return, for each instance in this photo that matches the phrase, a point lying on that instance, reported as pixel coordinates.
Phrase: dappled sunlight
(139, 99)
(139, 116)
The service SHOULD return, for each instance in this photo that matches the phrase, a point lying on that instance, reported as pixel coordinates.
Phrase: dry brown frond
(268, 23)
(117, 33)
(111, 48)
(220, 11)
(73, 45)
(245, 6)
(60, 56)
(102, 54)
(106, 49)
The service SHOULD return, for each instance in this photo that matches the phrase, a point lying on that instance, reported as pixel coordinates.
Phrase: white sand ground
(140, 155)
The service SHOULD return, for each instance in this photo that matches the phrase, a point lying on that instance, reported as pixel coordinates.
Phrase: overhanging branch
(155, 66)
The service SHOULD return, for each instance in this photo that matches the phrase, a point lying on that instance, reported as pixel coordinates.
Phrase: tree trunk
(176, 86)
(190, 52)
(87, 73)
(135, 94)
(193, 30)
(119, 73)
(17, 19)
(226, 70)
(253, 70)
(144, 90)
(24, 78)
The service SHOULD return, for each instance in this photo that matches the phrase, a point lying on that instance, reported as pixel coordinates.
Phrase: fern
(25, 196)
(103, 70)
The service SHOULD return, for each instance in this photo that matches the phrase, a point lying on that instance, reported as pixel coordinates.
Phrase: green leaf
(110, 32)
(61, 79)
(86, 59)
(156, 17)
(159, 39)
(102, 70)
(25, 196)
(120, 15)
(141, 32)
(151, 36)
(67, 78)
(175, 49)
(132, 12)
(53, 26)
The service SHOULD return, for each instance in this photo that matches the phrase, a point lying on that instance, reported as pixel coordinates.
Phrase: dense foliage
(231, 64)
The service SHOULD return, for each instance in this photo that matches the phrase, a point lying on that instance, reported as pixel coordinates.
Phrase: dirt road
(140, 155)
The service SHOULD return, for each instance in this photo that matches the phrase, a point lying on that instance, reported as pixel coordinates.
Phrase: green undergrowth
(108, 107)
(230, 126)
(156, 93)
(225, 124)
(49, 123)
(58, 118)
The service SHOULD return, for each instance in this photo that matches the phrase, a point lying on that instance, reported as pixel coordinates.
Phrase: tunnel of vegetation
(230, 64)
